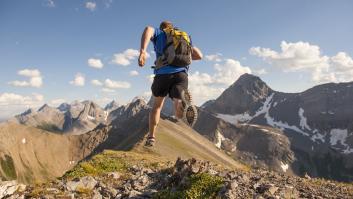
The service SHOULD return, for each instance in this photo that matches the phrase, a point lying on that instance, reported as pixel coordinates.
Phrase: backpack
(177, 51)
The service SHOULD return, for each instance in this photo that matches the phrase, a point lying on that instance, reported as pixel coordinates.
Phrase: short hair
(165, 24)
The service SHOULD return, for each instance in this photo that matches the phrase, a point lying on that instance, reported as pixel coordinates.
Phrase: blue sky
(44, 44)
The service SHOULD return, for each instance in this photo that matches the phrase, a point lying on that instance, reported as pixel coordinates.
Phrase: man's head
(165, 24)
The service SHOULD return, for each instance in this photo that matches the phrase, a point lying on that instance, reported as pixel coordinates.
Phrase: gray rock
(7, 188)
(86, 182)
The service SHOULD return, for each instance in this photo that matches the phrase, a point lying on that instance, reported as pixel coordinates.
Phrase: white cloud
(36, 80)
(341, 67)
(229, 71)
(133, 73)
(96, 82)
(294, 56)
(204, 86)
(109, 85)
(95, 63)
(90, 5)
(126, 57)
(302, 56)
(79, 80)
(214, 57)
(50, 3)
(12, 104)
(108, 90)
(116, 84)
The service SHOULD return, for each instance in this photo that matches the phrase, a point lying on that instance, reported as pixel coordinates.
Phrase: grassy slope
(179, 140)
(37, 155)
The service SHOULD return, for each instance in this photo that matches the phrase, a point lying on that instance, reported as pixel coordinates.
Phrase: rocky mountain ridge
(137, 177)
(318, 122)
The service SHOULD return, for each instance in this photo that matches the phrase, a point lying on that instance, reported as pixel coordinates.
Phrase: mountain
(75, 118)
(256, 145)
(31, 154)
(318, 122)
(111, 106)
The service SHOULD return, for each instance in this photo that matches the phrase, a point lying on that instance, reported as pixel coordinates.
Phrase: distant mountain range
(294, 133)
(318, 122)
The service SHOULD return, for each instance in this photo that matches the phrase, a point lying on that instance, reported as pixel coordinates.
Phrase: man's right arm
(196, 54)
(145, 40)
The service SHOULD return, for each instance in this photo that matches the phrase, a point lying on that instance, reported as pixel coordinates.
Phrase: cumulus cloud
(214, 57)
(303, 56)
(12, 104)
(116, 84)
(125, 58)
(90, 6)
(133, 73)
(108, 90)
(204, 86)
(109, 85)
(79, 80)
(35, 78)
(293, 56)
(229, 71)
(96, 82)
(95, 63)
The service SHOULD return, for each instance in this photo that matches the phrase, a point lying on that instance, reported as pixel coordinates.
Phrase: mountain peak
(247, 79)
(241, 95)
(44, 107)
(111, 105)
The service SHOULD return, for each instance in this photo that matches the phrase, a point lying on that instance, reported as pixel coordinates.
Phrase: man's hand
(142, 58)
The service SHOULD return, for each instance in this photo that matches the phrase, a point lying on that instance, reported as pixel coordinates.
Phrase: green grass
(199, 186)
(8, 167)
(98, 165)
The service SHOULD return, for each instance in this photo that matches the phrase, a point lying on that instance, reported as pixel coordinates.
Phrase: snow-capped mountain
(318, 121)
(111, 106)
(75, 118)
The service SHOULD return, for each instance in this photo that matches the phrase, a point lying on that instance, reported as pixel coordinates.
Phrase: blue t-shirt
(159, 41)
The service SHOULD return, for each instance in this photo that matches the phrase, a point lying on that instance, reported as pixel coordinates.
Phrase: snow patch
(279, 124)
(24, 141)
(275, 104)
(284, 166)
(235, 119)
(318, 136)
(219, 138)
(340, 135)
(303, 121)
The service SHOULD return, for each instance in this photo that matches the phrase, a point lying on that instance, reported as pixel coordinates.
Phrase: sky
(55, 51)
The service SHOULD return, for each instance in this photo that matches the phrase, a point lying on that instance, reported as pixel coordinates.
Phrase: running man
(169, 79)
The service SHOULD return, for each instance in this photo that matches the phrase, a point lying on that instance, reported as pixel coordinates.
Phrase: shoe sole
(189, 110)
(190, 115)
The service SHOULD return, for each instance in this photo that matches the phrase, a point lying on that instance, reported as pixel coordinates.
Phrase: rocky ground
(133, 175)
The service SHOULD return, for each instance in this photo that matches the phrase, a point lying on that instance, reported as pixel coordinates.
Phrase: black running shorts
(171, 84)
